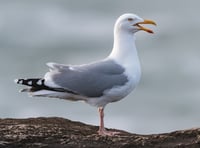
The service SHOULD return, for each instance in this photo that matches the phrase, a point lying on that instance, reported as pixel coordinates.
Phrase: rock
(62, 133)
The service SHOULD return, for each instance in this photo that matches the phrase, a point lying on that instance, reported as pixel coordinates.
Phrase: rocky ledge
(62, 133)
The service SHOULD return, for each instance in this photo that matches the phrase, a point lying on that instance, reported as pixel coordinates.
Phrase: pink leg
(102, 131)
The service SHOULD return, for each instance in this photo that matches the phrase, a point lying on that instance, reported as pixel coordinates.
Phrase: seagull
(100, 82)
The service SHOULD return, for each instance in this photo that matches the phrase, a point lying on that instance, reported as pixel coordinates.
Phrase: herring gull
(97, 83)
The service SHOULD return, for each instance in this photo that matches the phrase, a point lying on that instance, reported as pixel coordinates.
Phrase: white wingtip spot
(39, 82)
(16, 80)
(29, 82)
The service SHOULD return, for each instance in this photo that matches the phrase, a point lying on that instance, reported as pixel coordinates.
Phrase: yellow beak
(145, 22)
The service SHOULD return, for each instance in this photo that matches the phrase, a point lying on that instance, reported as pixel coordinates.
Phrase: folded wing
(86, 80)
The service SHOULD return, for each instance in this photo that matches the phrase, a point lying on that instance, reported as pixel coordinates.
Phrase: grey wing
(88, 80)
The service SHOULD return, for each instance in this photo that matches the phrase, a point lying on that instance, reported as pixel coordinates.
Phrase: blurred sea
(35, 32)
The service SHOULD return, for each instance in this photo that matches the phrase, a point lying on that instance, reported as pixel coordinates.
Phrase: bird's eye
(130, 19)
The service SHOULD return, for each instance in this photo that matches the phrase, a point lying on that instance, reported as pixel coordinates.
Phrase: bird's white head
(131, 23)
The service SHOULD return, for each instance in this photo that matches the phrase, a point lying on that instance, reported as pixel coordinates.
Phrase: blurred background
(34, 32)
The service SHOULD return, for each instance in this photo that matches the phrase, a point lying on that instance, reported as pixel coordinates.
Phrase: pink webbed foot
(104, 132)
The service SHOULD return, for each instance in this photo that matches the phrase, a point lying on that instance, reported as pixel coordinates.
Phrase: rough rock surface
(59, 133)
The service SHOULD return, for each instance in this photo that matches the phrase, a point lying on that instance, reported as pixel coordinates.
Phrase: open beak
(145, 22)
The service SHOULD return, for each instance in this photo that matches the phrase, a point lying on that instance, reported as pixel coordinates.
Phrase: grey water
(35, 32)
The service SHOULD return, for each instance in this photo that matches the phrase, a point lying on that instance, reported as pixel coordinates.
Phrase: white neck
(124, 50)
(124, 53)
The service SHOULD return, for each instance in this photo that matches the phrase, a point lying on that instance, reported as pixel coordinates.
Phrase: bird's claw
(104, 132)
